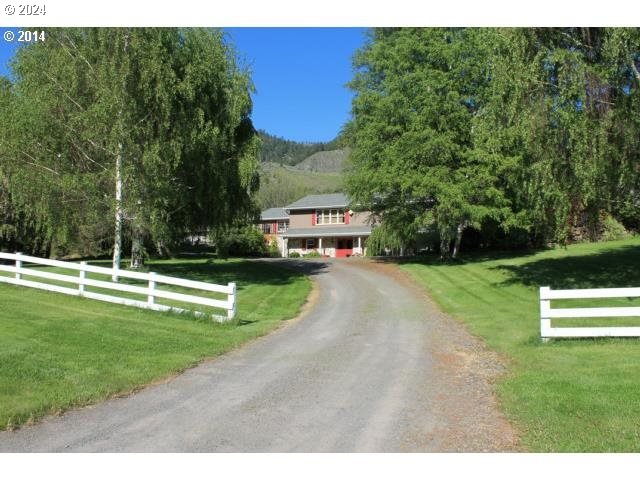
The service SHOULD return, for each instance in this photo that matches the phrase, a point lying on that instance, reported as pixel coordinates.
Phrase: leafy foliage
(241, 242)
(500, 132)
(612, 229)
(171, 103)
(416, 95)
(559, 118)
(384, 240)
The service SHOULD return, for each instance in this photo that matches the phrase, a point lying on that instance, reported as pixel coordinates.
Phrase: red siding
(313, 218)
(346, 217)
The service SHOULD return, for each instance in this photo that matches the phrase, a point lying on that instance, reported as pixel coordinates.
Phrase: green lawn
(566, 395)
(58, 351)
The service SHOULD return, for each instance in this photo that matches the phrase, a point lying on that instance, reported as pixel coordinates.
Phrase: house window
(282, 226)
(330, 216)
(311, 243)
(267, 228)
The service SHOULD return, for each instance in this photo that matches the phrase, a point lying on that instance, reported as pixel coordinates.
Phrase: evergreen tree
(417, 93)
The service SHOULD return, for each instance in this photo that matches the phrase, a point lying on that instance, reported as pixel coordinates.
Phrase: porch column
(285, 247)
(320, 246)
(360, 243)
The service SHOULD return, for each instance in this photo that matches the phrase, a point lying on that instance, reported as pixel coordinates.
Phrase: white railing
(547, 313)
(151, 290)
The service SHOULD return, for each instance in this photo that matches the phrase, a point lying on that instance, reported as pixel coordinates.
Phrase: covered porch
(327, 242)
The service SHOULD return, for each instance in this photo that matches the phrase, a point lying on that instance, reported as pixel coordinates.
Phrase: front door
(344, 247)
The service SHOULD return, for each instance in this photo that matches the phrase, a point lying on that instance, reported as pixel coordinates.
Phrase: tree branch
(62, 90)
(79, 54)
(91, 142)
(37, 164)
(87, 156)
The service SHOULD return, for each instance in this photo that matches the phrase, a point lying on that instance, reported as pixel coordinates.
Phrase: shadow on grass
(470, 258)
(242, 272)
(245, 322)
(607, 269)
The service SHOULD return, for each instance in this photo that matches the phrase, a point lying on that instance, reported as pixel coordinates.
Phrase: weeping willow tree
(560, 117)
(128, 134)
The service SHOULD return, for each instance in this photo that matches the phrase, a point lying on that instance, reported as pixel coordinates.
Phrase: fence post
(545, 307)
(82, 277)
(232, 301)
(18, 265)
(152, 287)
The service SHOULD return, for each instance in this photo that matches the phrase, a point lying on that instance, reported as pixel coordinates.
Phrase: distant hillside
(281, 185)
(290, 170)
(287, 152)
(326, 161)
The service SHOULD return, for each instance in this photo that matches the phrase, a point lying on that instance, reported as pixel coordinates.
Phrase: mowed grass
(59, 351)
(577, 395)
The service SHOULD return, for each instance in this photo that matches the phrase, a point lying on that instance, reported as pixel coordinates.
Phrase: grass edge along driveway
(58, 352)
(566, 395)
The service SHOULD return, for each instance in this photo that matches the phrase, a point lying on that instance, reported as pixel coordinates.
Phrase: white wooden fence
(151, 290)
(547, 313)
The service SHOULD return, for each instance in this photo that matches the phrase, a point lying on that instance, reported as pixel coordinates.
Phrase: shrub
(294, 255)
(273, 250)
(241, 242)
(612, 229)
(312, 254)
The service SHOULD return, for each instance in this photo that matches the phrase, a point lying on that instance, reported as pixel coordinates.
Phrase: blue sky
(6, 52)
(299, 74)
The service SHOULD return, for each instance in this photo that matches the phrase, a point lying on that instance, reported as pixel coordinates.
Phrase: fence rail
(151, 290)
(547, 313)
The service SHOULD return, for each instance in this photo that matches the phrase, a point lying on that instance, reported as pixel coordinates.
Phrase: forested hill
(287, 152)
(290, 170)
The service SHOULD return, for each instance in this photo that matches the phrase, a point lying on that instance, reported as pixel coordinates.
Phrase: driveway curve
(372, 367)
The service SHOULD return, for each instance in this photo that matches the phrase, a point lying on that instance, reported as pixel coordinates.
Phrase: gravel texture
(372, 366)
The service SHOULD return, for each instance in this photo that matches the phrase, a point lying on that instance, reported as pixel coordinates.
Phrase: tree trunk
(444, 246)
(117, 244)
(137, 248)
(163, 251)
(456, 245)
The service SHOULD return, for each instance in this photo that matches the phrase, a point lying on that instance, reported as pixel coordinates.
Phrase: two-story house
(321, 223)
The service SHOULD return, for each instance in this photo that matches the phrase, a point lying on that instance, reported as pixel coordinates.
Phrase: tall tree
(160, 114)
(559, 115)
(417, 92)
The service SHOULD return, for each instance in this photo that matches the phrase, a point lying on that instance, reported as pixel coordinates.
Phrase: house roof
(329, 231)
(329, 200)
(274, 214)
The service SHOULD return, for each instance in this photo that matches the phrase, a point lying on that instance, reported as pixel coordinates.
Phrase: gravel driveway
(372, 367)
